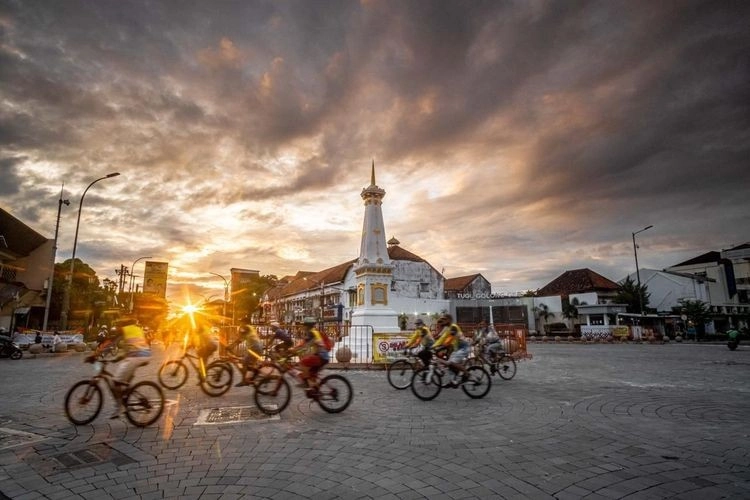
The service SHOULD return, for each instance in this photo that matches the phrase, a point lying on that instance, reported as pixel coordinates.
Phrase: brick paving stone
(603, 434)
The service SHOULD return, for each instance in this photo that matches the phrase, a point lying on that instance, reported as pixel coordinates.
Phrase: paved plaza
(578, 421)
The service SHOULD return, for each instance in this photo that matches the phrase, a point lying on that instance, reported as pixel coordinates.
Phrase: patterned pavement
(598, 421)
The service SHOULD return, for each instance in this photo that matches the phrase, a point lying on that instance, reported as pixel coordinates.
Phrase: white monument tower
(373, 269)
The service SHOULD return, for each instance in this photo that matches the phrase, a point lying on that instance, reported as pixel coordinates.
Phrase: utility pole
(123, 273)
(51, 278)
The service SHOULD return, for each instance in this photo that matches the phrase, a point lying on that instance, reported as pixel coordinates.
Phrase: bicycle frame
(199, 366)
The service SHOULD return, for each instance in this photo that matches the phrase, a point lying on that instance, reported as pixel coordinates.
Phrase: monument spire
(373, 270)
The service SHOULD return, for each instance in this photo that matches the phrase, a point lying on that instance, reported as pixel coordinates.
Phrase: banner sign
(155, 278)
(386, 347)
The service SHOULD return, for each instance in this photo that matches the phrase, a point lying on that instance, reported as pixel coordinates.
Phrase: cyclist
(135, 346)
(312, 351)
(283, 336)
(204, 344)
(459, 348)
(421, 337)
(102, 335)
(253, 349)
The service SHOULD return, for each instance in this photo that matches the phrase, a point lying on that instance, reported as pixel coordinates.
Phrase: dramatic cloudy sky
(516, 139)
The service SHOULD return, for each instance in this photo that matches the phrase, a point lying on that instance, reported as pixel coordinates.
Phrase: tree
(697, 313)
(542, 312)
(247, 300)
(628, 294)
(570, 311)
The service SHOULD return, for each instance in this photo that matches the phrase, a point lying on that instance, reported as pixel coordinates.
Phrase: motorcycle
(9, 349)
(734, 339)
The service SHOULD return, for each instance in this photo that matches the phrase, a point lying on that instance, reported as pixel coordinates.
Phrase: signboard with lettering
(155, 278)
(387, 347)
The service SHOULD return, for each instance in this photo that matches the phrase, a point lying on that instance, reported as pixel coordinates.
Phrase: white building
(386, 287)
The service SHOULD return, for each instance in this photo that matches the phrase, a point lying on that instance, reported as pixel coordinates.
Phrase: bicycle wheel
(110, 352)
(218, 379)
(399, 374)
(272, 394)
(265, 369)
(83, 402)
(334, 393)
(173, 374)
(144, 403)
(478, 382)
(445, 376)
(424, 386)
(506, 367)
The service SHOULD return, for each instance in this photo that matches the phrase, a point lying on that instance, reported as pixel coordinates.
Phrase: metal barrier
(361, 346)
(353, 343)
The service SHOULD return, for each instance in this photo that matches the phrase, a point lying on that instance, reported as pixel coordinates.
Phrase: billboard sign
(155, 278)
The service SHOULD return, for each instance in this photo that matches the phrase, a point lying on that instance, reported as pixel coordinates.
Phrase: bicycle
(110, 352)
(427, 383)
(143, 401)
(400, 371)
(333, 393)
(500, 362)
(214, 379)
(251, 375)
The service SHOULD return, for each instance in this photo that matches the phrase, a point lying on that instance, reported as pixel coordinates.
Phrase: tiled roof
(20, 239)
(395, 252)
(311, 281)
(460, 283)
(578, 281)
(705, 258)
(305, 280)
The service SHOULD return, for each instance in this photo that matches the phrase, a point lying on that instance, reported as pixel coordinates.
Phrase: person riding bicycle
(312, 352)
(444, 323)
(421, 337)
(205, 345)
(135, 345)
(284, 338)
(102, 335)
(253, 352)
(459, 347)
(486, 337)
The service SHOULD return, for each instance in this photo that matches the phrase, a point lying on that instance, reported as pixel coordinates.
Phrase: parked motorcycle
(9, 349)
(734, 339)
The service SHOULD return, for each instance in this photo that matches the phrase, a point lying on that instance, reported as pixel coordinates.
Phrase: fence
(362, 346)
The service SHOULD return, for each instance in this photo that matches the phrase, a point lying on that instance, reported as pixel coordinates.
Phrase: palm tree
(628, 294)
(570, 310)
(542, 312)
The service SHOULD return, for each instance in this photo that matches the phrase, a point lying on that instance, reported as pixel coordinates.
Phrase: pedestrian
(38, 338)
(56, 341)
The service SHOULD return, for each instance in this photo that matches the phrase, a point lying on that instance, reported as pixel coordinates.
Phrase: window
(424, 287)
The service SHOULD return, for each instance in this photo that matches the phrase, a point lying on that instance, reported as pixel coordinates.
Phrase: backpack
(327, 341)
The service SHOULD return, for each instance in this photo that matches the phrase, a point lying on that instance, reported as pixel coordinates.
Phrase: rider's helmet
(309, 321)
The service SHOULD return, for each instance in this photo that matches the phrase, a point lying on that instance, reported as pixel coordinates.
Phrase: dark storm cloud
(554, 126)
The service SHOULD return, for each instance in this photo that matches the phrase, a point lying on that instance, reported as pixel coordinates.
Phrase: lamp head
(113, 174)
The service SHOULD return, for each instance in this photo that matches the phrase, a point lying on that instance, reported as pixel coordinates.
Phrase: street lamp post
(132, 279)
(226, 296)
(69, 285)
(637, 271)
(224, 308)
(60, 203)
